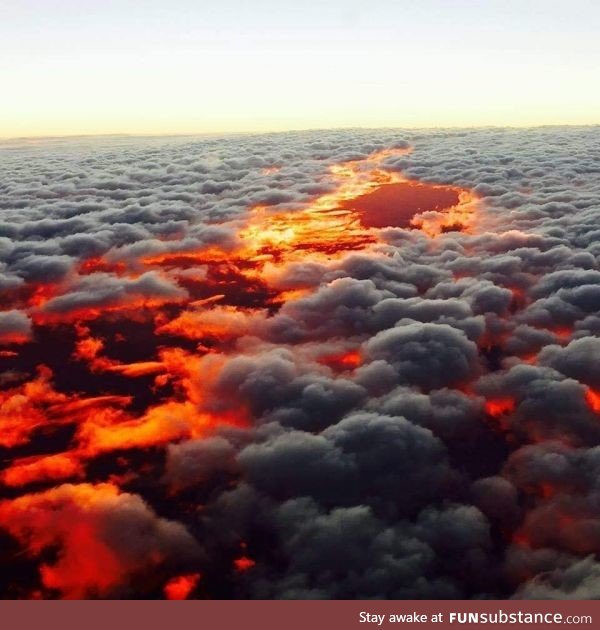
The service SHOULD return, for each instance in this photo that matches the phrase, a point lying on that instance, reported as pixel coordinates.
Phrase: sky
(155, 67)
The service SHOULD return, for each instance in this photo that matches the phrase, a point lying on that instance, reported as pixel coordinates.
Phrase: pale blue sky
(182, 66)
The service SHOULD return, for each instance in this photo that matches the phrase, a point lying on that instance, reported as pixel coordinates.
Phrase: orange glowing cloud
(133, 370)
(161, 424)
(105, 430)
(23, 409)
(348, 360)
(219, 322)
(94, 265)
(459, 217)
(40, 294)
(88, 349)
(42, 468)
(73, 517)
(136, 309)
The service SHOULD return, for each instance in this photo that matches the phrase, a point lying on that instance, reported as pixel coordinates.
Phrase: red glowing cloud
(499, 406)
(181, 586)
(243, 563)
(593, 399)
(83, 522)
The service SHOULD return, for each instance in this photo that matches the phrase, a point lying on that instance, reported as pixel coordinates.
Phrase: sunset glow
(299, 301)
(188, 68)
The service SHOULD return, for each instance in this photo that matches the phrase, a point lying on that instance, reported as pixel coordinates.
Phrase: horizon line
(284, 131)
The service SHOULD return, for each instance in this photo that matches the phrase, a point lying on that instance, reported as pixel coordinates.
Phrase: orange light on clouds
(218, 303)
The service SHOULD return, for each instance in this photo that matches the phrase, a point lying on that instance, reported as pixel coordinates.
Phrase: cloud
(254, 396)
(427, 355)
(15, 326)
(103, 537)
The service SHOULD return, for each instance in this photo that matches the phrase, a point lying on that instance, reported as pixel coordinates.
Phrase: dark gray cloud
(427, 355)
(14, 325)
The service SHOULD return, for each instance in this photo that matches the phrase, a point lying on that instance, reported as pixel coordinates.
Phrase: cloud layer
(218, 383)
